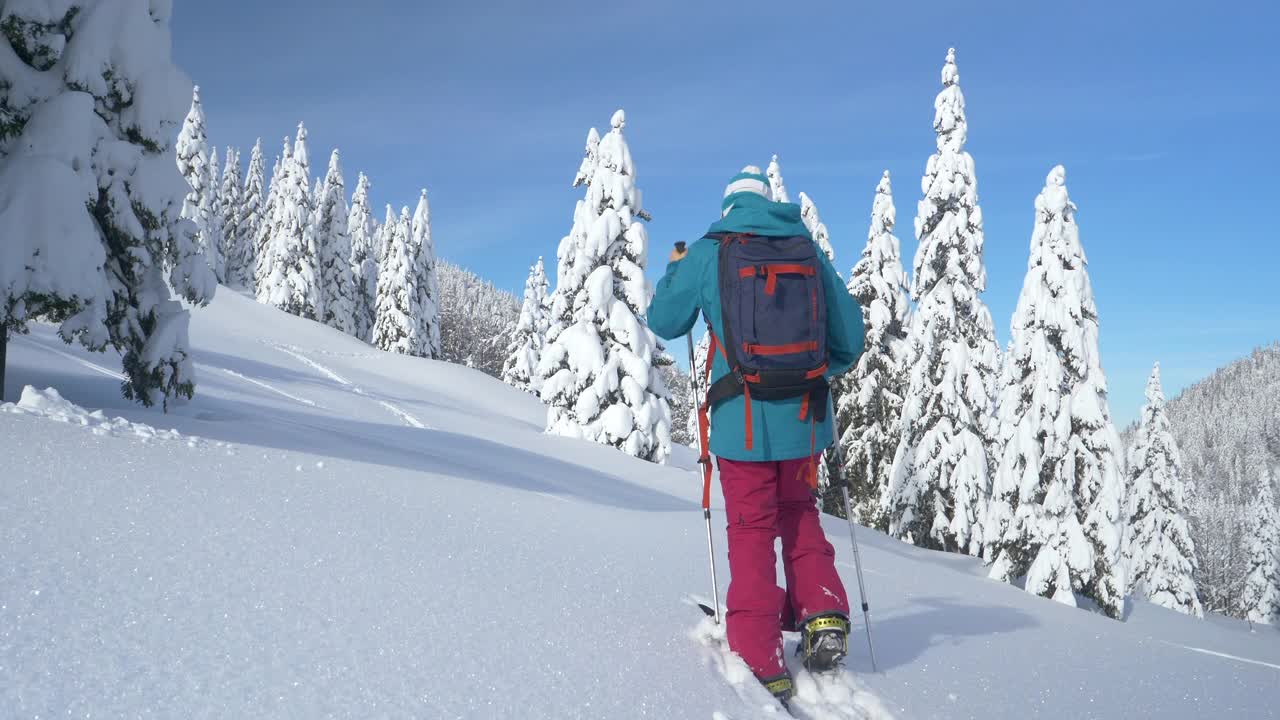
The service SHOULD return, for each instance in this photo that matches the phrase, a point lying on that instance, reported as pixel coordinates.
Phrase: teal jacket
(692, 286)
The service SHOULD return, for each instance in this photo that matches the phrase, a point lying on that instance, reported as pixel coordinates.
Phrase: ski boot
(781, 688)
(823, 642)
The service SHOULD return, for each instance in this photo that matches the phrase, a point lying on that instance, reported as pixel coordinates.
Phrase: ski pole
(857, 557)
(704, 459)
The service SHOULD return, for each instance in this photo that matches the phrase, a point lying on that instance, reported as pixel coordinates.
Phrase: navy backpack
(775, 324)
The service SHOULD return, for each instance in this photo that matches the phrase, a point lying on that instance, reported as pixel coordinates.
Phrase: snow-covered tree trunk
(397, 328)
(423, 256)
(293, 282)
(939, 484)
(91, 248)
(599, 365)
(364, 269)
(1160, 558)
(337, 289)
(231, 206)
(777, 188)
(1260, 601)
(869, 407)
(1055, 516)
(520, 369)
(264, 249)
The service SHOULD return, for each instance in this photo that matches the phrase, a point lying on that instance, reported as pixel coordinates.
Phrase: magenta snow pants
(764, 501)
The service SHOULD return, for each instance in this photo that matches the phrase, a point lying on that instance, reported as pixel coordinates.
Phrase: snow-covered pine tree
(828, 466)
(428, 283)
(193, 155)
(1260, 602)
(601, 382)
(870, 408)
(477, 319)
(211, 217)
(94, 249)
(1159, 556)
(364, 269)
(776, 187)
(230, 205)
(1055, 513)
(817, 228)
(264, 249)
(397, 328)
(249, 220)
(52, 263)
(697, 387)
(198, 164)
(293, 284)
(382, 236)
(520, 369)
(333, 241)
(423, 257)
(569, 277)
(939, 484)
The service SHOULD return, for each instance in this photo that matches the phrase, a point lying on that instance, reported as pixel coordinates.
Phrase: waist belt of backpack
(779, 385)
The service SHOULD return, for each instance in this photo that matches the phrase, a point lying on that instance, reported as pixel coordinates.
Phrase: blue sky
(1164, 115)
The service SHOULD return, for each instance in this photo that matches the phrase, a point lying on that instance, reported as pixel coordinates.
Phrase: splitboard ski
(832, 695)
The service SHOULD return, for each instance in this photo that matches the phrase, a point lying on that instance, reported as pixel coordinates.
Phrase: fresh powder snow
(331, 558)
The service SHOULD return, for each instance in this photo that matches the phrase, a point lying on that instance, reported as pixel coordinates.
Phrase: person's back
(766, 448)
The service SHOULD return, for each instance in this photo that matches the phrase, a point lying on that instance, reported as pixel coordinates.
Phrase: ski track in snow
(78, 360)
(262, 385)
(404, 416)
(1215, 653)
(865, 569)
(832, 696)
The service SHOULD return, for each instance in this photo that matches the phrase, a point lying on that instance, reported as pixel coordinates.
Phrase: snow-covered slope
(333, 531)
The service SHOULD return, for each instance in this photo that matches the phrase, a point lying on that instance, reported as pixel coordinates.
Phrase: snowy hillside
(338, 531)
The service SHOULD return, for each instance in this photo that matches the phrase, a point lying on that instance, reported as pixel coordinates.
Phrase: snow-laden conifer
(870, 407)
(599, 372)
(231, 205)
(364, 269)
(92, 233)
(698, 387)
(940, 483)
(198, 164)
(1160, 558)
(777, 188)
(264, 248)
(211, 217)
(397, 328)
(192, 155)
(293, 282)
(1260, 601)
(1055, 520)
(817, 228)
(569, 277)
(333, 242)
(520, 369)
(242, 260)
(423, 258)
